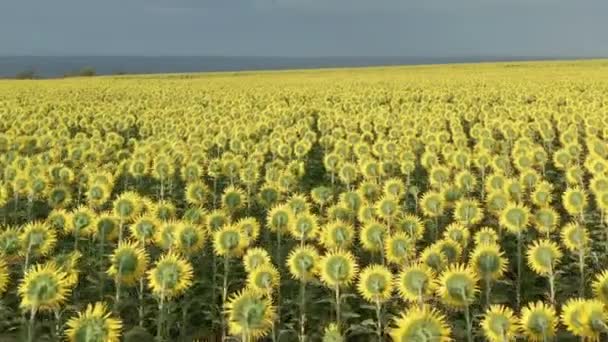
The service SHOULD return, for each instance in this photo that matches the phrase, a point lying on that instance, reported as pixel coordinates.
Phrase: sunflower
(545, 220)
(59, 196)
(515, 218)
(95, 324)
(250, 227)
(165, 237)
(387, 208)
(375, 284)
(229, 241)
(189, 238)
(468, 212)
(127, 206)
(216, 220)
(420, 324)
(486, 236)
(303, 263)
(164, 211)
(542, 195)
(538, 321)
(250, 315)
(575, 237)
(170, 276)
(411, 225)
(415, 283)
(543, 257)
(600, 287)
(82, 219)
(575, 201)
(321, 195)
(144, 229)
(432, 204)
(332, 334)
(499, 324)
(264, 279)
(366, 213)
(105, 226)
(457, 233)
(298, 204)
(194, 215)
(280, 218)
(457, 286)
(4, 276)
(197, 193)
(304, 227)
(233, 199)
(128, 263)
(37, 239)
(58, 219)
(337, 268)
(68, 263)
(370, 191)
(254, 258)
(373, 235)
(433, 257)
(450, 248)
(43, 288)
(399, 248)
(496, 202)
(10, 244)
(584, 318)
(488, 261)
(337, 234)
(394, 188)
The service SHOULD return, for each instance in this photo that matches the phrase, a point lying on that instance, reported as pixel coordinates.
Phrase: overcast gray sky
(305, 27)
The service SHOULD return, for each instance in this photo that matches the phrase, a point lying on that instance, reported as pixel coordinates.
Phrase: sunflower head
(250, 314)
(263, 279)
(457, 286)
(415, 282)
(4, 276)
(229, 241)
(194, 215)
(254, 258)
(538, 321)
(457, 233)
(127, 206)
(68, 263)
(421, 324)
(144, 228)
(434, 258)
(542, 195)
(128, 263)
(170, 276)
(303, 263)
(545, 220)
(81, 223)
(468, 212)
(387, 208)
(280, 218)
(10, 244)
(575, 237)
(298, 204)
(375, 283)
(95, 324)
(370, 191)
(411, 225)
(499, 324)
(105, 226)
(337, 268)
(59, 196)
(216, 220)
(600, 287)
(515, 218)
(488, 261)
(394, 188)
(197, 193)
(585, 318)
(38, 239)
(164, 211)
(332, 334)
(304, 227)
(233, 199)
(486, 236)
(450, 248)
(543, 256)
(43, 288)
(575, 201)
(432, 204)
(190, 238)
(399, 248)
(373, 236)
(268, 195)
(337, 234)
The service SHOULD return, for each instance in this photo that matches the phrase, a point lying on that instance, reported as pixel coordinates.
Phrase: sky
(304, 28)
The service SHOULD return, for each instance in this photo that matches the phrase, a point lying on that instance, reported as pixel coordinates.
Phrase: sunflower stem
(519, 269)
(379, 318)
(552, 286)
(26, 263)
(30, 325)
(141, 301)
(488, 290)
(302, 311)
(101, 273)
(467, 318)
(161, 315)
(225, 297)
(581, 268)
(338, 312)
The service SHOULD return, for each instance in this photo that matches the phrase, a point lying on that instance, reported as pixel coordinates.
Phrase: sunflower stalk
(519, 268)
(581, 269)
(379, 320)
(488, 290)
(141, 301)
(225, 297)
(161, 315)
(338, 312)
(31, 325)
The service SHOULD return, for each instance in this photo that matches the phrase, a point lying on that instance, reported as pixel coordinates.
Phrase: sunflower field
(419, 204)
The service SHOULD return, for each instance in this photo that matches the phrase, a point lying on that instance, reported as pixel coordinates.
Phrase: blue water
(60, 66)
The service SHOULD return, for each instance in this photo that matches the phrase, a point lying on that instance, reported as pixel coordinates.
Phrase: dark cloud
(304, 27)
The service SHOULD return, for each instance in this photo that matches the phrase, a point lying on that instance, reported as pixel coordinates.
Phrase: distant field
(461, 202)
